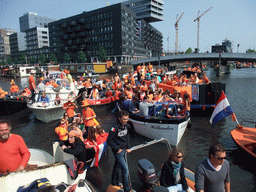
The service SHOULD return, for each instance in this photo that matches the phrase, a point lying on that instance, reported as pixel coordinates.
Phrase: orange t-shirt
(87, 84)
(14, 89)
(62, 132)
(31, 82)
(86, 114)
(109, 94)
(71, 109)
(14, 153)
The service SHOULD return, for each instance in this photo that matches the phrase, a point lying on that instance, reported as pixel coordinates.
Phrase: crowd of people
(80, 133)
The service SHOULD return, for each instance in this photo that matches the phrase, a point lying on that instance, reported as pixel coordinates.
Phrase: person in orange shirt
(88, 117)
(14, 89)
(109, 93)
(150, 68)
(87, 83)
(205, 79)
(70, 109)
(62, 131)
(14, 152)
(32, 85)
(94, 93)
(139, 68)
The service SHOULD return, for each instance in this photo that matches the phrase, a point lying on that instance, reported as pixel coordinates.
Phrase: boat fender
(189, 124)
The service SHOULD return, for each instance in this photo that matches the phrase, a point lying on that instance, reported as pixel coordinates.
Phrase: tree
(23, 59)
(3, 62)
(53, 58)
(250, 51)
(42, 58)
(189, 51)
(15, 61)
(32, 60)
(9, 60)
(101, 54)
(66, 58)
(81, 57)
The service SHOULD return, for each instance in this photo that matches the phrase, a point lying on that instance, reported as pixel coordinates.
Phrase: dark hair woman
(75, 147)
(172, 173)
(91, 146)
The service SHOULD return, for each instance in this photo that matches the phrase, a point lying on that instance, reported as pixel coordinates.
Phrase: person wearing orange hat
(88, 116)
(70, 109)
(76, 147)
(14, 89)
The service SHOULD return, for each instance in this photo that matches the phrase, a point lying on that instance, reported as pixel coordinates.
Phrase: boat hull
(245, 138)
(12, 105)
(47, 114)
(54, 172)
(172, 132)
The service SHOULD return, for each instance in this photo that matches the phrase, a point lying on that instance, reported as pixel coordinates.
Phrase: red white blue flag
(222, 110)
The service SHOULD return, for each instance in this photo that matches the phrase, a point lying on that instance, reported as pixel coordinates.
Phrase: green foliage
(66, 58)
(81, 57)
(23, 59)
(101, 54)
(9, 60)
(32, 60)
(250, 51)
(189, 51)
(15, 61)
(42, 58)
(3, 62)
(53, 58)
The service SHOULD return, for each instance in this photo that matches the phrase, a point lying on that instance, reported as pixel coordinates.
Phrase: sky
(231, 19)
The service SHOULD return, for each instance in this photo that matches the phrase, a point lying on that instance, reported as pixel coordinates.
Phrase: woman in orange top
(62, 131)
(94, 93)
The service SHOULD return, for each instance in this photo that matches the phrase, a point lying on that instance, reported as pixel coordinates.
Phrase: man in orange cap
(88, 116)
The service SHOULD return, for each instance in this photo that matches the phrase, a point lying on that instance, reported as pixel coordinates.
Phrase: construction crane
(198, 21)
(176, 28)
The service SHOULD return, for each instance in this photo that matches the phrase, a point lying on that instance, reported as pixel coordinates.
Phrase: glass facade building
(115, 28)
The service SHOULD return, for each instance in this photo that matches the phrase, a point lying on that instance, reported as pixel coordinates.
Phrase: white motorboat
(25, 71)
(47, 112)
(164, 121)
(48, 166)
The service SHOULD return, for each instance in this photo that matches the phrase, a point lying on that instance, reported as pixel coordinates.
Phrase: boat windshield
(166, 109)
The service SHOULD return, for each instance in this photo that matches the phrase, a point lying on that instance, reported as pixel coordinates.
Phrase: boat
(203, 97)
(165, 120)
(245, 138)
(12, 104)
(47, 112)
(147, 173)
(44, 165)
(25, 71)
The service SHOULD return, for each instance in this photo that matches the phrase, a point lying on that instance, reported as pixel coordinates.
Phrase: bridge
(241, 57)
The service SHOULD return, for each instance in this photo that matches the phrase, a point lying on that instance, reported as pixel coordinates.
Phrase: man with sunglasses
(212, 174)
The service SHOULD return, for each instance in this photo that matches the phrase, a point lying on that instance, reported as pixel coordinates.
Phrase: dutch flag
(222, 110)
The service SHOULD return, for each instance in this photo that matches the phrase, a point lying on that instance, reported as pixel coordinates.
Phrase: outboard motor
(147, 172)
(148, 176)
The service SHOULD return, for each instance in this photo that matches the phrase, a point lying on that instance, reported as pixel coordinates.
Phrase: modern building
(149, 10)
(115, 28)
(17, 45)
(30, 20)
(5, 43)
(37, 35)
(225, 47)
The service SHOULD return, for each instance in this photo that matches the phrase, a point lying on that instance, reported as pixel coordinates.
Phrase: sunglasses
(179, 157)
(221, 158)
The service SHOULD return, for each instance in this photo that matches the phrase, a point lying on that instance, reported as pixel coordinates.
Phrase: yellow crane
(176, 28)
(198, 21)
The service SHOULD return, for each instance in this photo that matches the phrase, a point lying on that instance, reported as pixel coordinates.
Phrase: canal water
(240, 91)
